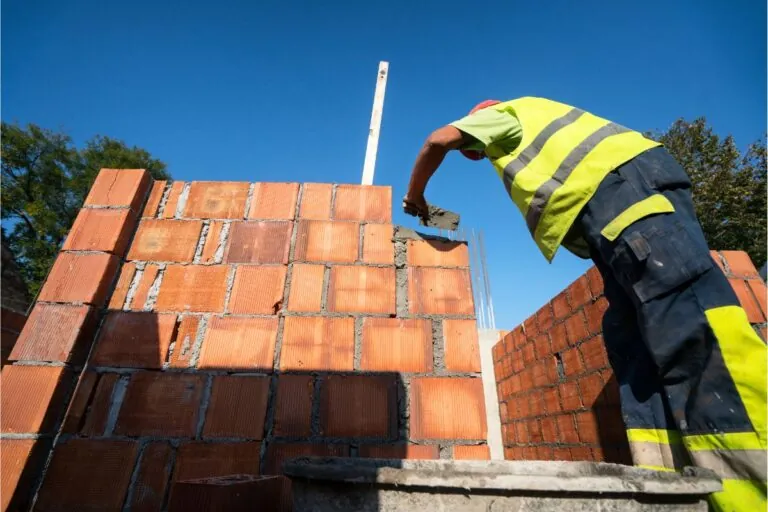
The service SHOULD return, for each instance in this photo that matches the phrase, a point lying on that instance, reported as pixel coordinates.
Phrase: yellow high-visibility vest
(563, 156)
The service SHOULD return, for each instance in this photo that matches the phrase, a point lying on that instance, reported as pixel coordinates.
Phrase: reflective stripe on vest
(564, 155)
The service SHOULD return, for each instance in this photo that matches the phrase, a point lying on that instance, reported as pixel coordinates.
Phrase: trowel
(439, 218)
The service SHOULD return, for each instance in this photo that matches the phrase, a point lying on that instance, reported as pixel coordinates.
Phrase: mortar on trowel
(440, 218)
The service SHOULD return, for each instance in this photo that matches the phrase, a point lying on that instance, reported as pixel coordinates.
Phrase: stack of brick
(558, 397)
(236, 325)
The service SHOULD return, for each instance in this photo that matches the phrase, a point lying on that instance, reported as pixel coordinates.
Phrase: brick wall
(558, 397)
(236, 325)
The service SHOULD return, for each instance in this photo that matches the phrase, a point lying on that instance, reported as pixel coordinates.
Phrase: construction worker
(691, 370)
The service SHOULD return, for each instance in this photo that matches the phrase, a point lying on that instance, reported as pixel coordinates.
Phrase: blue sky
(282, 90)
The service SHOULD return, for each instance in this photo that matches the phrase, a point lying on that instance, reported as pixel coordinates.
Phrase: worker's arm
(429, 159)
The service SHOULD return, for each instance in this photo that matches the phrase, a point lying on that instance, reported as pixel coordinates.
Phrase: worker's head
(471, 153)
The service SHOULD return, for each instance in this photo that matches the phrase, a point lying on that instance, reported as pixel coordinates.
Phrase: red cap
(471, 153)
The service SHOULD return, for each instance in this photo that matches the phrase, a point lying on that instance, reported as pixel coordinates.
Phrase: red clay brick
(530, 328)
(536, 399)
(740, 264)
(171, 205)
(79, 403)
(212, 241)
(529, 353)
(581, 453)
(355, 289)
(498, 351)
(161, 404)
(440, 291)
(316, 201)
(396, 344)
(590, 387)
(80, 278)
(567, 429)
(166, 240)
(462, 349)
(293, 412)
(747, 300)
(237, 408)
(216, 200)
(56, 332)
(549, 429)
(32, 398)
(363, 202)
(503, 412)
(257, 290)
(576, 328)
(562, 454)
(572, 362)
(318, 343)
(560, 307)
(147, 279)
(569, 392)
(193, 288)
(578, 292)
(551, 401)
(595, 312)
(401, 451)
(277, 453)
(274, 201)
(207, 460)
(117, 300)
(185, 341)
(544, 452)
(593, 353)
(119, 187)
(472, 452)
(595, 282)
(306, 287)
(534, 431)
(378, 246)
(319, 240)
(759, 291)
(436, 253)
(87, 474)
(98, 411)
(586, 424)
(134, 340)
(359, 406)
(152, 479)
(539, 374)
(545, 318)
(239, 343)
(447, 408)
(101, 230)
(259, 242)
(541, 346)
(559, 338)
(521, 432)
(21, 462)
(530, 452)
(155, 197)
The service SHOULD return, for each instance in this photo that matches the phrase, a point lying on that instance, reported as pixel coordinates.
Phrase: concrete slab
(487, 339)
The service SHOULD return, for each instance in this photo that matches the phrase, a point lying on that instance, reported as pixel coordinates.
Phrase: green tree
(729, 187)
(45, 181)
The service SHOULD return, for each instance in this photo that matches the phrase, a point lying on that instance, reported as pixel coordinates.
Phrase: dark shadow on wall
(611, 432)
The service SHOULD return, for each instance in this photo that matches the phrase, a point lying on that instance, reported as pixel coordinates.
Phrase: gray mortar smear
(440, 218)
(401, 275)
(403, 234)
(438, 346)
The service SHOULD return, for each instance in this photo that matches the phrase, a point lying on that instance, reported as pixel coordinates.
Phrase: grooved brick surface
(472, 452)
(359, 406)
(152, 479)
(117, 300)
(316, 201)
(237, 407)
(141, 294)
(321, 241)
(462, 349)
(101, 230)
(318, 343)
(155, 197)
(185, 342)
(98, 411)
(747, 300)
(306, 287)
(166, 240)
(274, 201)
(216, 200)
(378, 246)
(32, 398)
(356, 289)
(436, 253)
(278, 453)
(257, 290)
(293, 410)
(398, 345)
(204, 460)
(80, 401)
(761, 295)
(447, 408)
(740, 265)
(56, 332)
(80, 278)
(239, 343)
(363, 203)
(212, 242)
(119, 187)
(400, 451)
(164, 404)
(134, 340)
(193, 288)
(172, 204)
(88, 474)
(259, 242)
(440, 291)
(21, 461)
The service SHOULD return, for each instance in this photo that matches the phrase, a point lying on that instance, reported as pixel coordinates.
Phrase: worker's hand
(416, 206)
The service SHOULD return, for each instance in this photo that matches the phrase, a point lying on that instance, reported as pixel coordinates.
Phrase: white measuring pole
(373, 132)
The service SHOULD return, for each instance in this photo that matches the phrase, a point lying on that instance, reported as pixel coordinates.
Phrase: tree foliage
(729, 187)
(45, 181)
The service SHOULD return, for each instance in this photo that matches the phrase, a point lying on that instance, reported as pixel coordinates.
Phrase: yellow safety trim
(656, 468)
(739, 495)
(654, 204)
(649, 435)
(744, 354)
(723, 441)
